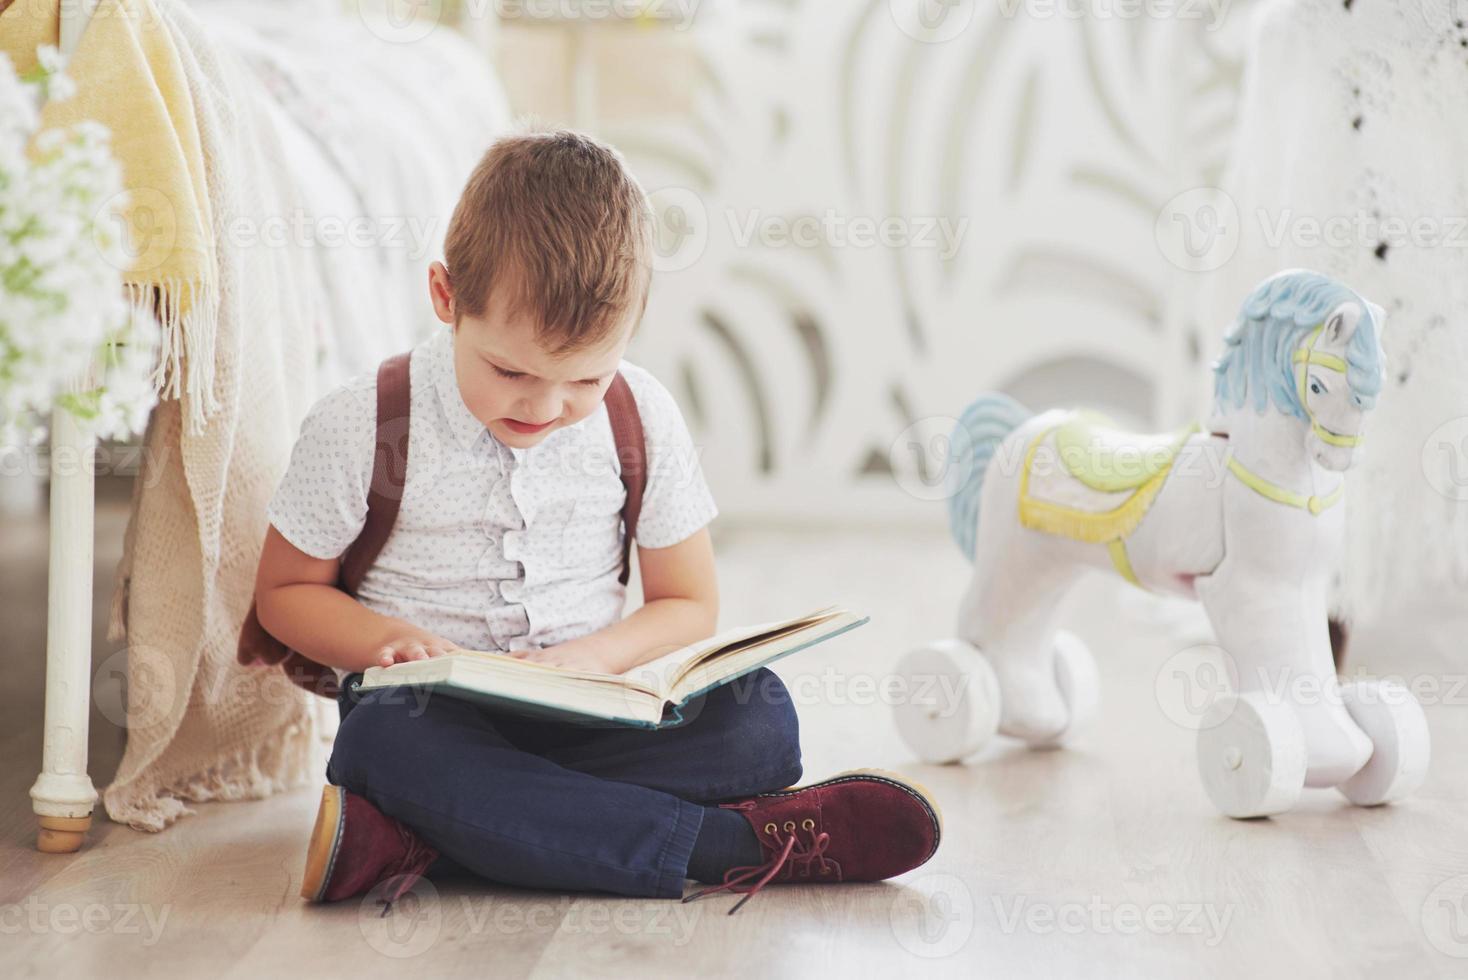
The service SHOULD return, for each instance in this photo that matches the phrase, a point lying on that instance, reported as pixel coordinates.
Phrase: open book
(649, 696)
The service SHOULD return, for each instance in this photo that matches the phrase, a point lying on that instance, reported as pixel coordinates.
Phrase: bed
(311, 123)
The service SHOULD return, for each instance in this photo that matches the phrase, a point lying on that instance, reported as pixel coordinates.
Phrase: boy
(509, 538)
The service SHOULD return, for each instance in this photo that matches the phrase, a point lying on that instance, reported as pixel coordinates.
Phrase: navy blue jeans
(568, 807)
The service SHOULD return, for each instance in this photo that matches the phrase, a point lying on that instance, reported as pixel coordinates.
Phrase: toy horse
(1244, 515)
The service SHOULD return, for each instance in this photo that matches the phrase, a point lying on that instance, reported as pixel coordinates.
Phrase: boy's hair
(552, 224)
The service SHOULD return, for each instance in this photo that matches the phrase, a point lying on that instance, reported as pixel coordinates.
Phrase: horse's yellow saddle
(1110, 459)
(1085, 479)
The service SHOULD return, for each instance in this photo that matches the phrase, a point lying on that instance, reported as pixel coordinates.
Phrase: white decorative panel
(1016, 168)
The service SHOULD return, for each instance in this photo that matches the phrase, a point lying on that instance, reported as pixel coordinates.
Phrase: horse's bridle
(1306, 355)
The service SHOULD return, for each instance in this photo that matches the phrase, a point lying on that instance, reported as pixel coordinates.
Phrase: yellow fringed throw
(130, 79)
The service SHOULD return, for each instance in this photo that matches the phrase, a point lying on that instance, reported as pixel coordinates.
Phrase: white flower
(50, 58)
(62, 310)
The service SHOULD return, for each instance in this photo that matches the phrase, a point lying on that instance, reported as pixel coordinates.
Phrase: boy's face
(519, 391)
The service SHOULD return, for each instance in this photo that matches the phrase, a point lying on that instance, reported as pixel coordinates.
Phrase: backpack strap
(385, 496)
(390, 466)
(389, 471)
(389, 474)
(632, 455)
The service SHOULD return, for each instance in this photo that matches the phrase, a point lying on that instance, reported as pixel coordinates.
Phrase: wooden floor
(1101, 860)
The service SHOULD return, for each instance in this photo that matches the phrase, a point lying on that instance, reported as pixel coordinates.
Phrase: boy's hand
(419, 646)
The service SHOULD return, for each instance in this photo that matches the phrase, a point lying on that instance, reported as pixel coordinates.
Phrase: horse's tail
(980, 430)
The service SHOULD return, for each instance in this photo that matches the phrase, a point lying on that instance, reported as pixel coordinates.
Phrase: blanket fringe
(244, 774)
(188, 315)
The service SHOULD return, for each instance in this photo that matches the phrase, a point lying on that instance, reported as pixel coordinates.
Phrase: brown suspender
(389, 472)
(385, 495)
(632, 455)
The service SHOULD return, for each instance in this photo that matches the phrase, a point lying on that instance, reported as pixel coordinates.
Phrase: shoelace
(416, 860)
(793, 855)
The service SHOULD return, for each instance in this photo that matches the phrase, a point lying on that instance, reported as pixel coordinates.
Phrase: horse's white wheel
(950, 707)
(1079, 683)
(1401, 746)
(1251, 756)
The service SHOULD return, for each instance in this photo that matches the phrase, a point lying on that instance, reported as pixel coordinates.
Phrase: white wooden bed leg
(63, 794)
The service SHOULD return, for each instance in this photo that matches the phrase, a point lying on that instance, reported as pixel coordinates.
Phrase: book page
(559, 673)
(659, 676)
(638, 696)
(664, 672)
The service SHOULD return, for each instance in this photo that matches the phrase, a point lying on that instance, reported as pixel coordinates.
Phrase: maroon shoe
(866, 825)
(354, 848)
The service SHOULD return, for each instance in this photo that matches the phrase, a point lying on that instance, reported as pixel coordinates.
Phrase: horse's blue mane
(1272, 321)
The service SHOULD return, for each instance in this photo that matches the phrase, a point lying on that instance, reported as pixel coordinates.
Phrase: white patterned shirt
(494, 547)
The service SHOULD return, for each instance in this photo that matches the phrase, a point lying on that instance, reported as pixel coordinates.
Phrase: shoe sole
(912, 787)
(326, 835)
